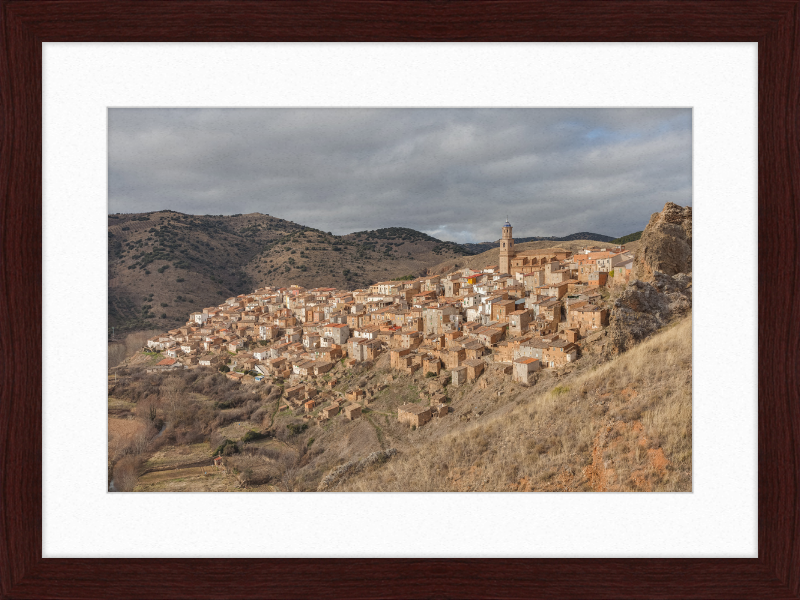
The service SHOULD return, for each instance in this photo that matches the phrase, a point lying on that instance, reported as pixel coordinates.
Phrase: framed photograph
(31, 570)
(351, 321)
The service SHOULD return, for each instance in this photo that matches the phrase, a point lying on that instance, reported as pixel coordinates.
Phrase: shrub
(224, 368)
(252, 435)
(180, 280)
(226, 448)
(297, 429)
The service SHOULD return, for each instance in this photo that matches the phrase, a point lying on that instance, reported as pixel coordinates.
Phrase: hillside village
(536, 310)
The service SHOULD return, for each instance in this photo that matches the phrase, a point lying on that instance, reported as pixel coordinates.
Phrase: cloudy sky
(452, 173)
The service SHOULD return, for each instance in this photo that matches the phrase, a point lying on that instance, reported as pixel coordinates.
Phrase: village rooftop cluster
(535, 310)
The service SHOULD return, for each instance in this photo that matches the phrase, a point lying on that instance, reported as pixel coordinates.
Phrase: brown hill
(164, 265)
(606, 427)
(317, 259)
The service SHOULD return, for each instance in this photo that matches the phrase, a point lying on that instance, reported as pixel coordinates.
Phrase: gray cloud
(453, 173)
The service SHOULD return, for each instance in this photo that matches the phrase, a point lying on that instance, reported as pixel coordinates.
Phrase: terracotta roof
(526, 361)
(166, 362)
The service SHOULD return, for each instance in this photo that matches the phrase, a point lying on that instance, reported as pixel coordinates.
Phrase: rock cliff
(661, 287)
(666, 244)
(644, 307)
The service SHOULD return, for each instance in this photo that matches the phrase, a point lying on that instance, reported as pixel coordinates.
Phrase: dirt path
(208, 463)
(151, 477)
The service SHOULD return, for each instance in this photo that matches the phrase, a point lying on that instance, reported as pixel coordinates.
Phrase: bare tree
(289, 467)
(172, 390)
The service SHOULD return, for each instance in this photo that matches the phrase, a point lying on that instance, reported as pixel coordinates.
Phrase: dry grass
(133, 342)
(624, 426)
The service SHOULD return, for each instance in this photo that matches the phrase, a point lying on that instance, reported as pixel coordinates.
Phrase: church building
(527, 261)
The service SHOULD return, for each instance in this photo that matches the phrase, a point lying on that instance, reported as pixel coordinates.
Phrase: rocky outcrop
(666, 243)
(644, 307)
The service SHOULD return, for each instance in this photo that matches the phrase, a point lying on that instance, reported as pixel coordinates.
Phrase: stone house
(356, 395)
(607, 264)
(559, 353)
(208, 361)
(453, 357)
(523, 368)
(395, 355)
(550, 310)
(434, 319)
(452, 288)
(459, 376)
(474, 368)
(414, 414)
(408, 363)
(321, 367)
(554, 290)
(310, 405)
(588, 317)
(489, 336)
(276, 364)
(267, 332)
(519, 321)
(352, 412)
(303, 368)
(453, 338)
(372, 350)
(473, 349)
(294, 392)
(411, 339)
(339, 332)
(431, 365)
(356, 349)
(501, 310)
(261, 353)
(292, 335)
(356, 321)
(533, 280)
(330, 411)
(331, 354)
(597, 279)
(505, 351)
(234, 345)
(311, 341)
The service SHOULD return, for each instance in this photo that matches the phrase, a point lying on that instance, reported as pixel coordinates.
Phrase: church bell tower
(506, 249)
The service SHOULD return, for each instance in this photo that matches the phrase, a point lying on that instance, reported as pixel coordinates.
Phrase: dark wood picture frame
(774, 24)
